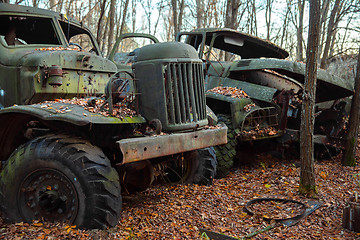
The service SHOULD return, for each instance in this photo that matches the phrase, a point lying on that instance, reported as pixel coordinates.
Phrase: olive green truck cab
(257, 92)
(73, 128)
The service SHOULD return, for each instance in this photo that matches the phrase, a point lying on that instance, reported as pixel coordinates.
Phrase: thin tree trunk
(307, 176)
(299, 31)
(324, 12)
(199, 13)
(288, 9)
(181, 14)
(123, 18)
(352, 135)
(268, 18)
(133, 15)
(99, 34)
(111, 25)
(231, 15)
(330, 34)
(174, 14)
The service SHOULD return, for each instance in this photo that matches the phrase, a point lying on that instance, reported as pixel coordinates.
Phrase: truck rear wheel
(225, 154)
(60, 178)
(195, 167)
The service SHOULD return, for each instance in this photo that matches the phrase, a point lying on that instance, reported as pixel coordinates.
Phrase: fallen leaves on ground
(178, 211)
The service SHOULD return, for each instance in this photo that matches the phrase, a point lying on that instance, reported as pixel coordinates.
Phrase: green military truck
(73, 128)
(258, 93)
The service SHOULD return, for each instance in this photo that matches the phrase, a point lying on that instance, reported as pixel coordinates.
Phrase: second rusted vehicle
(258, 93)
(73, 128)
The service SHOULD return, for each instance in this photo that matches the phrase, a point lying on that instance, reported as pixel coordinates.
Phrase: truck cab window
(78, 37)
(19, 30)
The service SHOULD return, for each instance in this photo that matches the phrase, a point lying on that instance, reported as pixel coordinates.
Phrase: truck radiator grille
(261, 118)
(185, 93)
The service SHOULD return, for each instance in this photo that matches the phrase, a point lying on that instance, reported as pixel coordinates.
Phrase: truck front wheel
(225, 154)
(195, 167)
(60, 178)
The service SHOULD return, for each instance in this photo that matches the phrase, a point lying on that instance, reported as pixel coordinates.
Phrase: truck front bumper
(137, 149)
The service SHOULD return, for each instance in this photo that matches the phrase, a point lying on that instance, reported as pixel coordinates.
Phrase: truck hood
(329, 87)
(67, 59)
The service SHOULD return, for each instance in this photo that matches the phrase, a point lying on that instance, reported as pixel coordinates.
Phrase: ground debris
(179, 211)
(229, 91)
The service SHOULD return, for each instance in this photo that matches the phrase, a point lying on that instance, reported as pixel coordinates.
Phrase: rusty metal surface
(73, 114)
(252, 47)
(329, 87)
(136, 149)
(351, 215)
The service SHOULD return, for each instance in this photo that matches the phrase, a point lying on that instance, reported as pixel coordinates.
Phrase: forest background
(284, 22)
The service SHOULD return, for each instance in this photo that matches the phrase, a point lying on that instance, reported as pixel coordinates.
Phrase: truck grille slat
(201, 92)
(191, 90)
(185, 92)
(187, 96)
(176, 93)
(181, 91)
(202, 81)
(169, 95)
(196, 89)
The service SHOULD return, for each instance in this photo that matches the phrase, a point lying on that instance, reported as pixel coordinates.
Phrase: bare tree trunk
(111, 24)
(35, 3)
(52, 4)
(174, 14)
(253, 19)
(284, 32)
(181, 14)
(307, 176)
(330, 34)
(231, 15)
(199, 13)
(103, 46)
(324, 13)
(352, 135)
(299, 31)
(100, 24)
(133, 15)
(268, 10)
(123, 18)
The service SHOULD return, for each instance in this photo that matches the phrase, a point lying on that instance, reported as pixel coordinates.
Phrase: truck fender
(71, 113)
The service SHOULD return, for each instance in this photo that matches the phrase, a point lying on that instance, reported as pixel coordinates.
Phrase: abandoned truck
(66, 143)
(258, 93)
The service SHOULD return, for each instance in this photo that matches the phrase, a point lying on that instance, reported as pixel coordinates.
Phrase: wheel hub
(48, 194)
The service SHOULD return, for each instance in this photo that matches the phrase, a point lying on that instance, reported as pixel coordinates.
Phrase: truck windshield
(78, 37)
(24, 30)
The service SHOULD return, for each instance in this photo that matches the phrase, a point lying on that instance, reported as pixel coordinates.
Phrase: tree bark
(352, 135)
(307, 176)
(231, 15)
(330, 34)
(299, 31)
(268, 11)
(100, 24)
(123, 18)
(199, 13)
(111, 25)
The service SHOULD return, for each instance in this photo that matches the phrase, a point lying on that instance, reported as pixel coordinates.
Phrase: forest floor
(177, 212)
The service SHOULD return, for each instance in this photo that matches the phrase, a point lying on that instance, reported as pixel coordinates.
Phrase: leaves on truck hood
(230, 92)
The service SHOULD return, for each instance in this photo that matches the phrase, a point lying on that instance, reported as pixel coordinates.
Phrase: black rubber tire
(72, 171)
(198, 167)
(225, 154)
